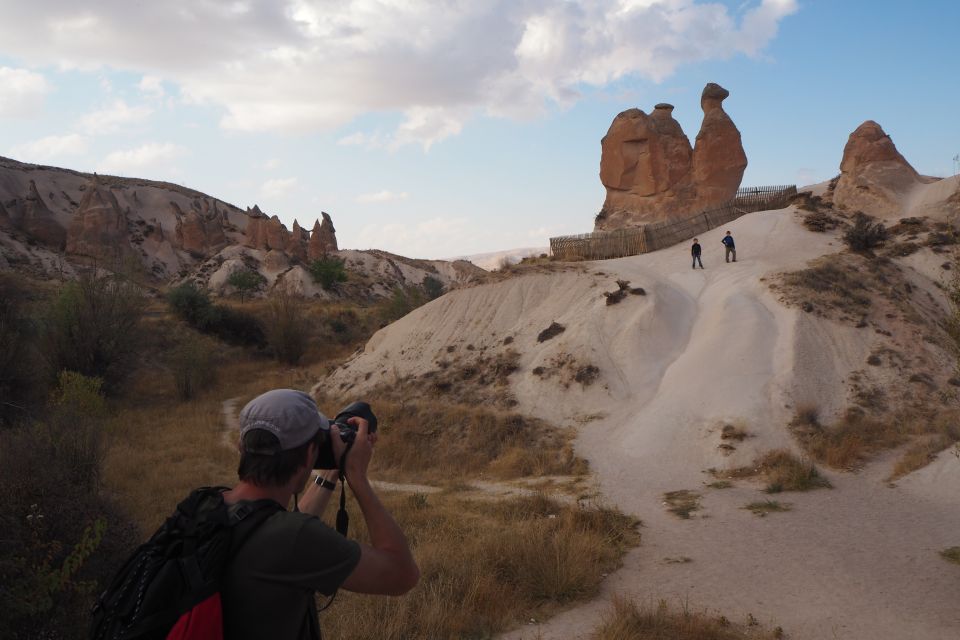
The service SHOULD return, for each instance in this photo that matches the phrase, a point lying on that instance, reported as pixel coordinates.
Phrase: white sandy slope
(704, 347)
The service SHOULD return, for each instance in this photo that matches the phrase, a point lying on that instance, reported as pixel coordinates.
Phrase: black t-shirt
(268, 591)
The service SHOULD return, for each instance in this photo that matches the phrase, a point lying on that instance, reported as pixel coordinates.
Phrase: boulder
(651, 173)
(874, 177)
(99, 227)
(718, 156)
(323, 238)
(39, 222)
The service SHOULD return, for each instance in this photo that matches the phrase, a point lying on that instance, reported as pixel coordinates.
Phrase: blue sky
(435, 129)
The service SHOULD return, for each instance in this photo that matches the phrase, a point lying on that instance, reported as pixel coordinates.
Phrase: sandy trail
(703, 348)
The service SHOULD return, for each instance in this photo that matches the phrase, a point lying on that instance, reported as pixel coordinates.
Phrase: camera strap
(343, 519)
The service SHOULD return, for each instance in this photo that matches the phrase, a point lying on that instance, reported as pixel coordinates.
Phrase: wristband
(322, 482)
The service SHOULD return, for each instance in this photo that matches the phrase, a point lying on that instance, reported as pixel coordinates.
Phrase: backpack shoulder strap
(244, 518)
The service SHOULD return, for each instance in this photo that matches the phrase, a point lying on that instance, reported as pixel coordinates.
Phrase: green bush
(190, 304)
(91, 327)
(328, 271)
(287, 327)
(864, 234)
(432, 287)
(245, 281)
(193, 306)
(61, 539)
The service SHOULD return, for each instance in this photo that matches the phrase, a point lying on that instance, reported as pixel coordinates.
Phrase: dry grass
(763, 507)
(682, 503)
(781, 471)
(427, 441)
(856, 437)
(629, 621)
(487, 566)
(734, 432)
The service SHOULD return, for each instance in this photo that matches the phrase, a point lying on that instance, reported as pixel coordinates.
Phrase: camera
(348, 432)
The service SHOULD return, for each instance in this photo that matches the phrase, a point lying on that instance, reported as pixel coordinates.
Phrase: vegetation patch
(781, 471)
(733, 432)
(763, 507)
(855, 437)
(502, 563)
(627, 620)
(682, 503)
(720, 484)
(820, 221)
(864, 234)
(951, 555)
(552, 331)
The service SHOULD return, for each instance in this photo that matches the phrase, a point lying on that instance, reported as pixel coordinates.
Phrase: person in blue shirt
(695, 252)
(731, 248)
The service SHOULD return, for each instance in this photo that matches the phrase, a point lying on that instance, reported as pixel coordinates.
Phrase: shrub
(287, 327)
(61, 540)
(192, 364)
(190, 304)
(21, 388)
(402, 301)
(552, 331)
(91, 328)
(245, 281)
(864, 234)
(432, 287)
(328, 271)
(230, 325)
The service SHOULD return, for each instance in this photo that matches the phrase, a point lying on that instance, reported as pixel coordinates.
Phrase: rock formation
(652, 173)
(874, 177)
(297, 245)
(199, 231)
(98, 228)
(265, 233)
(323, 238)
(718, 157)
(37, 221)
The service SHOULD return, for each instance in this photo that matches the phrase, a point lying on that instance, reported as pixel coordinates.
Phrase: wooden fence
(630, 241)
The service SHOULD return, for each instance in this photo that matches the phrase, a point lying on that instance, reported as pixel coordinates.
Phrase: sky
(442, 128)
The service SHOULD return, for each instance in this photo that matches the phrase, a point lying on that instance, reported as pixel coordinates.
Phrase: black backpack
(170, 586)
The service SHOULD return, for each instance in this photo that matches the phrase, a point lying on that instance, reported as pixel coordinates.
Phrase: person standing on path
(695, 252)
(730, 247)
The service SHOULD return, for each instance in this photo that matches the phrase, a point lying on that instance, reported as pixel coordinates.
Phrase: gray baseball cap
(292, 416)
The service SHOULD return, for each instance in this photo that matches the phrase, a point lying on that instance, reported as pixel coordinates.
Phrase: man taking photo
(269, 587)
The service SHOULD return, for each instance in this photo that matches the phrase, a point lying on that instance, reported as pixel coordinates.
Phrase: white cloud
(306, 65)
(277, 187)
(50, 148)
(150, 155)
(21, 92)
(382, 196)
(151, 86)
(115, 117)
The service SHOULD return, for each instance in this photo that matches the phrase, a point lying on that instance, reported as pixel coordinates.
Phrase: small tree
(91, 327)
(193, 365)
(245, 281)
(402, 301)
(328, 271)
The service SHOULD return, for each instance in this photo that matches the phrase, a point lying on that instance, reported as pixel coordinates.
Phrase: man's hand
(361, 451)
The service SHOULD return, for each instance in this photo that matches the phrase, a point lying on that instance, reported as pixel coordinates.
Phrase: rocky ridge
(53, 219)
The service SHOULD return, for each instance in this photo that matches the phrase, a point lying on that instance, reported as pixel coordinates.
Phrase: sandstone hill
(52, 219)
(652, 174)
(654, 383)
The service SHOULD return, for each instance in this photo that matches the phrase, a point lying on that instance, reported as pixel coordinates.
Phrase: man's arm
(386, 566)
(315, 498)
